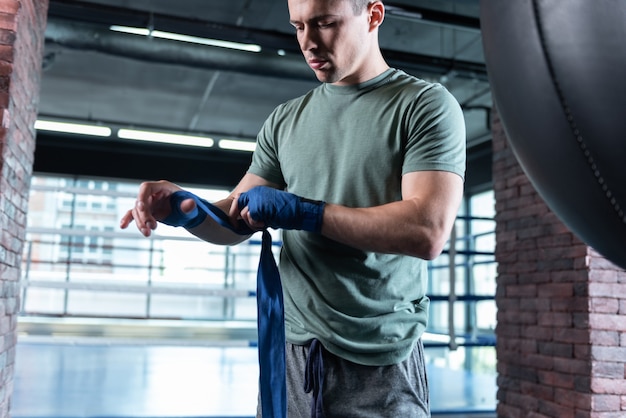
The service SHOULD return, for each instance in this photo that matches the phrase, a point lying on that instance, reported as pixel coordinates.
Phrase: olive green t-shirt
(350, 145)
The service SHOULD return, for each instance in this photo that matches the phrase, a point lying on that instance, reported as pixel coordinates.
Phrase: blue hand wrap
(203, 208)
(179, 218)
(270, 311)
(279, 209)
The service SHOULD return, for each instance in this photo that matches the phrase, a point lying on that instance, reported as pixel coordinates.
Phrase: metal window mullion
(68, 263)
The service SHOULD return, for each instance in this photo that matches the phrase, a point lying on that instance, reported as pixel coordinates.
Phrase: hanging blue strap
(271, 328)
(314, 378)
(270, 310)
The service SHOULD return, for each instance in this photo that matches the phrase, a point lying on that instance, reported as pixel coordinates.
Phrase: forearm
(213, 232)
(402, 227)
(419, 225)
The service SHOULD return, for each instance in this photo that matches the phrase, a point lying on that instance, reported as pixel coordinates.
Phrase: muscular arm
(418, 225)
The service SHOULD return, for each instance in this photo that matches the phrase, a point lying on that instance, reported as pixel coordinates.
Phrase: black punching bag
(557, 70)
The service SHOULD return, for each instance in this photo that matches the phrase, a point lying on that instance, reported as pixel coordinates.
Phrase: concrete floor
(75, 378)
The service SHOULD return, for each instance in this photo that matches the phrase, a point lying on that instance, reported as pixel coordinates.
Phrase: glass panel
(78, 262)
(465, 340)
(106, 304)
(76, 249)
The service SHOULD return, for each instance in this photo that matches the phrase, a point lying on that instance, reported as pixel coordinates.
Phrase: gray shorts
(353, 390)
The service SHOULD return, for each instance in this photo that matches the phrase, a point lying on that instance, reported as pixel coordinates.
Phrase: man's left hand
(264, 206)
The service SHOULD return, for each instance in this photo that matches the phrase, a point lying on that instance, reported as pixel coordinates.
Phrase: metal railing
(78, 263)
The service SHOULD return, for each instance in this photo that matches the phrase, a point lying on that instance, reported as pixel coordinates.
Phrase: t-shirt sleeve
(436, 134)
(265, 161)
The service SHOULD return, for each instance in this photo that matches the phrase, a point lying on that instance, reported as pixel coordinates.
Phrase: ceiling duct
(83, 36)
(73, 34)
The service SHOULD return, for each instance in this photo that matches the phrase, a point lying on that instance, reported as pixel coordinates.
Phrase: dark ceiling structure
(121, 64)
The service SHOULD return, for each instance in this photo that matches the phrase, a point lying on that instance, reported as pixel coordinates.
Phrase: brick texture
(22, 24)
(561, 331)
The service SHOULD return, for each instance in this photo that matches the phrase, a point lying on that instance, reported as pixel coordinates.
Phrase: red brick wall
(561, 328)
(22, 25)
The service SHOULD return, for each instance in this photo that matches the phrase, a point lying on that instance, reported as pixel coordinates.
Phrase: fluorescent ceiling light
(177, 139)
(237, 145)
(187, 38)
(131, 30)
(73, 128)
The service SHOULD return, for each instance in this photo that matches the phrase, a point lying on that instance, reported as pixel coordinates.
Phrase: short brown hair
(359, 5)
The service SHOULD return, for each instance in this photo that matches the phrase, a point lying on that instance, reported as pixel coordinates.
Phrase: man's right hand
(153, 205)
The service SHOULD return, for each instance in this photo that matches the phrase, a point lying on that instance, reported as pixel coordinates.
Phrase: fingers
(250, 221)
(126, 219)
(142, 211)
(143, 217)
(138, 214)
(235, 213)
(130, 216)
(152, 203)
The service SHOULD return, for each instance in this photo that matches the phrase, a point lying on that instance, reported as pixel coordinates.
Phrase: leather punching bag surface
(557, 70)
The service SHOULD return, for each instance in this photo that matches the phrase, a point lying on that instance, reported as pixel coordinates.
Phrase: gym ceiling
(121, 64)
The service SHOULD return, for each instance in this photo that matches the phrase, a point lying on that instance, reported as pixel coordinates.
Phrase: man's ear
(376, 11)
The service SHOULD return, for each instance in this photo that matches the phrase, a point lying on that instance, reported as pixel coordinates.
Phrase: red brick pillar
(22, 25)
(561, 333)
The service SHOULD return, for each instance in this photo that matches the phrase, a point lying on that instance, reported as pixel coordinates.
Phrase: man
(380, 157)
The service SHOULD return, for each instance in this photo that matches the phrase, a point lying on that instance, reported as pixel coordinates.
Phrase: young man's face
(334, 41)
